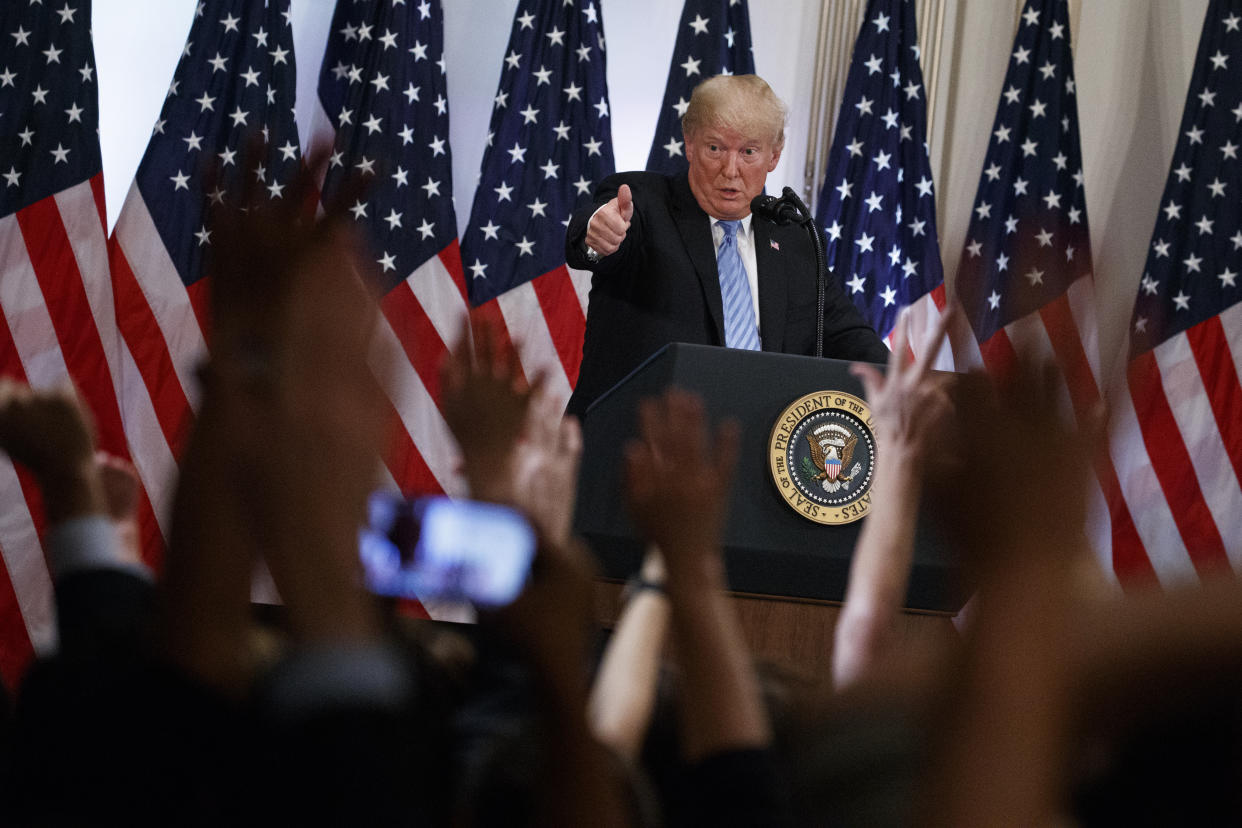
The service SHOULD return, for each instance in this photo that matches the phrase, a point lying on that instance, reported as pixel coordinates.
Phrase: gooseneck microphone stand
(789, 209)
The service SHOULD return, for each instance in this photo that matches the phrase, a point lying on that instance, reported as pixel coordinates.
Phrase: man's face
(728, 169)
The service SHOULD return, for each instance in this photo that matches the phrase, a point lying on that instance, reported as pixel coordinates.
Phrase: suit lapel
(773, 287)
(696, 233)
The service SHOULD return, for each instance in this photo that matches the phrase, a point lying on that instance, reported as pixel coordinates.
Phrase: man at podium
(682, 259)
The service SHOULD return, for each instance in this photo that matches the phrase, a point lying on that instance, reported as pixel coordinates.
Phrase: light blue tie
(739, 311)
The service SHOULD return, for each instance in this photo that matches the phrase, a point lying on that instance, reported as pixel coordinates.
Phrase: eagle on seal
(829, 450)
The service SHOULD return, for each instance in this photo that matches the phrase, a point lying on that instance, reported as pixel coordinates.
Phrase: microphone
(784, 209)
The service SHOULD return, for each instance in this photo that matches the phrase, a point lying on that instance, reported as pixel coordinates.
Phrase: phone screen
(437, 548)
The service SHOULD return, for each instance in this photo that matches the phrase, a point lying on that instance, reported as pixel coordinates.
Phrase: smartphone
(444, 549)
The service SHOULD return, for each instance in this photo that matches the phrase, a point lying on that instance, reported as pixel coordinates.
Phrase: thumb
(625, 202)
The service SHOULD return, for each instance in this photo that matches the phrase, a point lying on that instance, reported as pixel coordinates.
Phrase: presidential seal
(822, 454)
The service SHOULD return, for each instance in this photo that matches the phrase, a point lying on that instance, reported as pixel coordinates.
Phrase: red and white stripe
(59, 326)
(1064, 331)
(1176, 440)
(920, 318)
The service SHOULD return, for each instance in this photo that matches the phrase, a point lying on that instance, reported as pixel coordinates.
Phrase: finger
(570, 437)
(901, 339)
(625, 202)
(931, 345)
(871, 378)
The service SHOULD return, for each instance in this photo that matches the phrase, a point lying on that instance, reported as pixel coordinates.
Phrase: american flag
(384, 103)
(1177, 427)
(1025, 278)
(712, 39)
(878, 206)
(57, 322)
(233, 84)
(549, 143)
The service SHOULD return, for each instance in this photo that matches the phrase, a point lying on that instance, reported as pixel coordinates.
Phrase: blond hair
(742, 102)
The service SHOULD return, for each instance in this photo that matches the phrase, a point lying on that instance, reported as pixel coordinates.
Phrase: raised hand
(678, 477)
(608, 226)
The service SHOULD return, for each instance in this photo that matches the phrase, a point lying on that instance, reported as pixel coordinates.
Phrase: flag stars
(912, 90)
(573, 92)
(239, 116)
(1011, 224)
(889, 296)
(550, 169)
(1150, 286)
(1012, 94)
(881, 22)
(542, 77)
(394, 220)
(1002, 262)
(1048, 70)
(180, 181)
(1207, 98)
(984, 210)
(1227, 278)
(864, 106)
(673, 147)
(1231, 22)
(873, 202)
(592, 146)
(537, 208)
(436, 146)
(834, 231)
(1181, 301)
(1236, 238)
(1075, 215)
(882, 160)
(365, 166)
(890, 119)
(7, 77)
(193, 141)
(1022, 55)
(490, 230)
(387, 262)
(1002, 134)
(993, 172)
(1028, 148)
(1019, 186)
(556, 37)
(1204, 224)
(380, 82)
(857, 284)
(517, 154)
(419, 51)
(910, 268)
(504, 192)
(39, 94)
(699, 24)
(1229, 150)
(525, 247)
(203, 235)
(12, 178)
(1195, 135)
(582, 186)
(1161, 248)
(275, 189)
(75, 113)
(1059, 160)
(218, 63)
(865, 243)
(478, 269)
(1193, 263)
(1044, 237)
(1057, 31)
(372, 125)
(1037, 108)
(974, 249)
(994, 300)
(389, 39)
(1219, 60)
(845, 188)
(432, 187)
(530, 115)
(873, 65)
(1035, 277)
(1053, 199)
(1182, 172)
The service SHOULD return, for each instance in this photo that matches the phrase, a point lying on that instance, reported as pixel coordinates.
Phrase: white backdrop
(1133, 63)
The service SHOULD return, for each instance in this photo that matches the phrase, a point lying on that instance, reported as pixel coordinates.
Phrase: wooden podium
(787, 570)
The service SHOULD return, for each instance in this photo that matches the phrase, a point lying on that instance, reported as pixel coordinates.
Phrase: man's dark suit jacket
(662, 286)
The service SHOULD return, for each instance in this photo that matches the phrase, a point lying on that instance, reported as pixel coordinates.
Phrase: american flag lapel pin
(775, 244)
